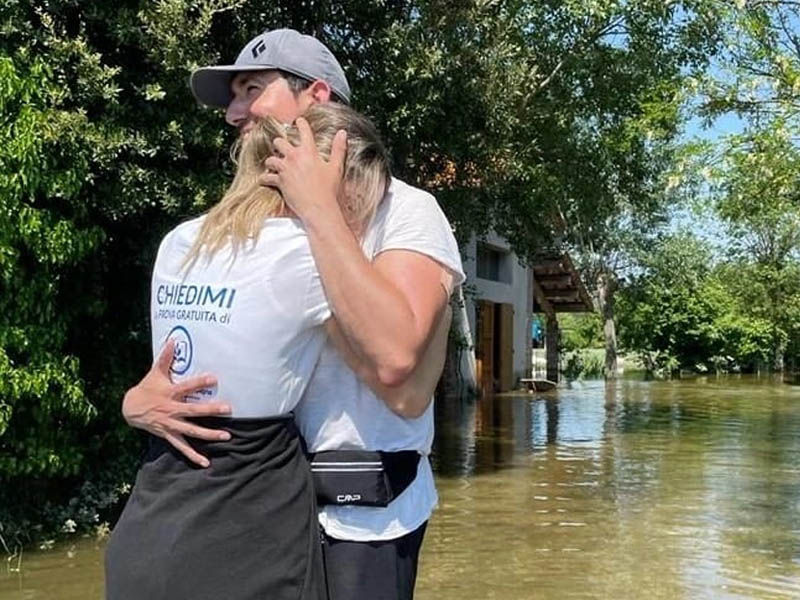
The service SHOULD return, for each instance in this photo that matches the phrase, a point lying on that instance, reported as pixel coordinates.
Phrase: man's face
(258, 94)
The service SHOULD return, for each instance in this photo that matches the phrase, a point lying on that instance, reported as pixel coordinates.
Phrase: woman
(238, 293)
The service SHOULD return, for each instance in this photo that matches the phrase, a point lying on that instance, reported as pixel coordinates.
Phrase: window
(493, 264)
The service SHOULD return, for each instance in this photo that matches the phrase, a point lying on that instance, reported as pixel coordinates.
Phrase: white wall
(518, 293)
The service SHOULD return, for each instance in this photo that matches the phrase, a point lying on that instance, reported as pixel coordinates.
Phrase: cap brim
(212, 85)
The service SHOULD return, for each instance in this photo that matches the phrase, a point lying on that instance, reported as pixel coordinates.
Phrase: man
(387, 295)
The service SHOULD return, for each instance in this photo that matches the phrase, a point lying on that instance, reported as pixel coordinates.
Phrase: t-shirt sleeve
(317, 308)
(414, 221)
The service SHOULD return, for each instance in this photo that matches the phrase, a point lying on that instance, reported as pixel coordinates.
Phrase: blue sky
(726, 124)
(705, 226)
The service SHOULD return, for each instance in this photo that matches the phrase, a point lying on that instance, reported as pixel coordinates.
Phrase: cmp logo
(182, 356)
(342, 498)
(259, 48)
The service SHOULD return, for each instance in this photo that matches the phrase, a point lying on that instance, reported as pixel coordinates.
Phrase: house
(496, 308)
(494, 317)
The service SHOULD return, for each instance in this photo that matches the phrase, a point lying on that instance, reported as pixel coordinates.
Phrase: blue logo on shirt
(182, 356)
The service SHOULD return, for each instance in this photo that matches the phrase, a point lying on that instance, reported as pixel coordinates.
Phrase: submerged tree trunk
(780, 351)
(606, 287)
(778, 339)
(453, 381)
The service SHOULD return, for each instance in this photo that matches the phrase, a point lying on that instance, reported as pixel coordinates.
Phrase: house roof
(557, 287)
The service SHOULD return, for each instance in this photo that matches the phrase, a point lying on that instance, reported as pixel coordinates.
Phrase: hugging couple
(299, 329)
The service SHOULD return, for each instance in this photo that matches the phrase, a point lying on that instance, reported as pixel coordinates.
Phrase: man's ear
(319, 91)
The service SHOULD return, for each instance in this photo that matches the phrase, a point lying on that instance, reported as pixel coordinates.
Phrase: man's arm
(411, 399)
(157, 405)
(387, 308)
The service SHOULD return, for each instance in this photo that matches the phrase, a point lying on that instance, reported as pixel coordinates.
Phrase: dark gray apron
(244, 528)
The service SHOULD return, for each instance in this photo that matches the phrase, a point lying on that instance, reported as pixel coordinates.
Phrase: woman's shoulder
(288, 225)
(180, 238)
(284, 231)
(187, 229)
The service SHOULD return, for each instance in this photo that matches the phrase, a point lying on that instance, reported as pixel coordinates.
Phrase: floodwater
(641, 490)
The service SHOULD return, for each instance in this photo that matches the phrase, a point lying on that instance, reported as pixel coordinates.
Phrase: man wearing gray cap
(388, 293)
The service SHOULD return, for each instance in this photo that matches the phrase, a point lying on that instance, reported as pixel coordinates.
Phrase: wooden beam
(579, 283)
(577, 307)
(560, 276)
(558, 287)
(556, 282)
(550, 268)
(552, 261)
(541, 299)
(556, 297)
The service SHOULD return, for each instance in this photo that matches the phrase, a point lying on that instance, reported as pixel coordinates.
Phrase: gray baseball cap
(283, 49)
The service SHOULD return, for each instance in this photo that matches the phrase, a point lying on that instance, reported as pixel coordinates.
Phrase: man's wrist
(323, 215)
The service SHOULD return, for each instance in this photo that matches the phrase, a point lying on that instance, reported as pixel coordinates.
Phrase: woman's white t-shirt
(254, 320)
(339, 412)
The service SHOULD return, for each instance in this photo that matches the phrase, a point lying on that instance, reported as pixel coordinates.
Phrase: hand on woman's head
(299, 161)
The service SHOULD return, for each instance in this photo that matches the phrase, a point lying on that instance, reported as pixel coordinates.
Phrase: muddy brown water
(643, 490)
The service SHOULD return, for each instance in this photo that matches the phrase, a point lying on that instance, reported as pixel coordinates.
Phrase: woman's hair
(239, 216)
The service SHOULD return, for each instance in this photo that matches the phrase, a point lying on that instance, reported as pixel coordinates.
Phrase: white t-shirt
(254, 320)
(339, 412)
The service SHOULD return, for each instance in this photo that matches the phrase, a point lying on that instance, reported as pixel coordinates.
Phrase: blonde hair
(238, 217)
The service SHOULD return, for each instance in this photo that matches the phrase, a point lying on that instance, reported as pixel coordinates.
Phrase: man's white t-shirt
(339, 412)
(253, 319)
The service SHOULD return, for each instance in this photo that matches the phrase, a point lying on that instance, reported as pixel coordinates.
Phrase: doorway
(494, 351)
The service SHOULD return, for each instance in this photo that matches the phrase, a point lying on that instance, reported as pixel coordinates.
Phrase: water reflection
(674, 490)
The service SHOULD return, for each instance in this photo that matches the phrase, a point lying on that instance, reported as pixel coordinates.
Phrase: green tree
(752, 176)
(580, 331)
(684, 310)
(665, 315)
(592, 139)
(759, 72)
(86, 154)
(758, 199)
(103, 150)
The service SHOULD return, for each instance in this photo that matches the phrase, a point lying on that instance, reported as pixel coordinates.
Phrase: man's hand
(157, 405)
(309, 184)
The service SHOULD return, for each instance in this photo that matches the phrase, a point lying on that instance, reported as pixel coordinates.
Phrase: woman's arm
(411, 399)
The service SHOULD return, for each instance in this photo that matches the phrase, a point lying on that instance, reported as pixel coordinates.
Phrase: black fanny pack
(362, 477)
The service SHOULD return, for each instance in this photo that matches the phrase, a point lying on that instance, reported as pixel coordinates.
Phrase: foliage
(757, 193)
(580, 331)
(770, 297)
(582, 364)
(90, 507)
(753, 175)
(665, 309)
(615, 198)
(750, 179)
(682, 312)
(758, 199)
(759, 73)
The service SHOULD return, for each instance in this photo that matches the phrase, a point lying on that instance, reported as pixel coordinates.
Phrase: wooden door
(505, 370)
(484, 350)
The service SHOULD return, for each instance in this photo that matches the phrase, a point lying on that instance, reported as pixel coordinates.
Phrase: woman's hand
(157, 405)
